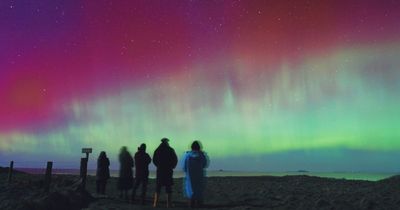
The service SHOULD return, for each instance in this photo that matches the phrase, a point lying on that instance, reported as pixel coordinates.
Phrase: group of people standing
(165, 159)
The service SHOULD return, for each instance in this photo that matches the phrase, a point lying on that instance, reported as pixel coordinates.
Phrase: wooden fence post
(10, 171)
(83, 171)
(84, 165)
(47, 178)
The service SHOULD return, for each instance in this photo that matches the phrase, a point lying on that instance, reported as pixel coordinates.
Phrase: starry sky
(265, 85)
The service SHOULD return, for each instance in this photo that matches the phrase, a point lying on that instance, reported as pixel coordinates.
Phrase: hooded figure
(102, 173)
(165, 160)
(125, 180)
(194, 163)
(142, 160)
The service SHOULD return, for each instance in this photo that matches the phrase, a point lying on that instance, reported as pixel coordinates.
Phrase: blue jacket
(194, 164)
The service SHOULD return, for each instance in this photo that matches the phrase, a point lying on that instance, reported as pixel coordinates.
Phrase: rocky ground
(288, 192)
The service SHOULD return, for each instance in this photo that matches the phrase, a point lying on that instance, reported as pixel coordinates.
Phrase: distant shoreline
(368, 176)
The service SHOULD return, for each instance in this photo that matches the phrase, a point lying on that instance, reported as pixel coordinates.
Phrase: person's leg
(137, 183)
(104, 187)
(97, 186)
(120, 187)
(126, 194)
(101, 186)
(192, 203)
(195, 198)
(200, 203)
(158, 191)
(168, 190)
(200, 199)
(144, 189)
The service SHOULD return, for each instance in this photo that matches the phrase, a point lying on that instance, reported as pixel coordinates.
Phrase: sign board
(86, 150)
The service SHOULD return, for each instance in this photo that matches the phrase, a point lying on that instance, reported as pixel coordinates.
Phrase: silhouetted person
(102, 173)
(142, 161)
(165, 160)
(125, 180)
(194, 164)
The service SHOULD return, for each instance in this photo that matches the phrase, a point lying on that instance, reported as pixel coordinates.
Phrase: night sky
(265, 85)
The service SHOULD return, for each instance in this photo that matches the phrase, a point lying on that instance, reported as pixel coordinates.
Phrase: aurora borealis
(266, 83)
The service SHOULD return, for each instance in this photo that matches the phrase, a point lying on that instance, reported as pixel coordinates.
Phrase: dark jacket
(165, 160)
(142, 160)
(103, 171)
(125, 180)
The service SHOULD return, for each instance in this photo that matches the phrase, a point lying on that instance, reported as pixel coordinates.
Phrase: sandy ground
(288, 192)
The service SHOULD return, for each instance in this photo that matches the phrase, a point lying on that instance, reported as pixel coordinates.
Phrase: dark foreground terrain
(288, 192)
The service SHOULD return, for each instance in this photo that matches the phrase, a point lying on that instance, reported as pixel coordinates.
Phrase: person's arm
(184, 165)
(107, 168)
(148, 159)
(155, 158)
(206, 160)
(175, 159)
(135, 158)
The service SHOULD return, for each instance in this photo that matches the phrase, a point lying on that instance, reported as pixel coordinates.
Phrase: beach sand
(267, 192)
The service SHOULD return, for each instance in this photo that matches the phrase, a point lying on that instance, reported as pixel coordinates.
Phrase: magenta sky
(56, 53)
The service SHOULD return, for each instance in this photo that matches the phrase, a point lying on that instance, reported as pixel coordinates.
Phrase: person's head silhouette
(103, 154)
(124, 149)
(142, 147)
(196, 146)
(164, 142)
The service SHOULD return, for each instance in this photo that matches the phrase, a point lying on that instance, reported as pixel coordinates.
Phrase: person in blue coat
(194, 164)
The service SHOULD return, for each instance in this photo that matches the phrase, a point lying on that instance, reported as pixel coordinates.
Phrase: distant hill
(5, 170)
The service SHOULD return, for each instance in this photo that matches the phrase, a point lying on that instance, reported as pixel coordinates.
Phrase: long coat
(103, 171)
(142, 161)
(165, 160)
(194, 164)
(125, 180)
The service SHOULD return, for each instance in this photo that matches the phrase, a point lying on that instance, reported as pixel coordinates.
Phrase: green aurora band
(347, 99)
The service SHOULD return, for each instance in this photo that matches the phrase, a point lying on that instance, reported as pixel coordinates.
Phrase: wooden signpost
(87, 151)
(84, 164)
